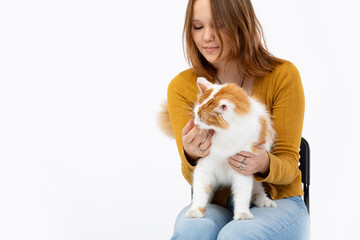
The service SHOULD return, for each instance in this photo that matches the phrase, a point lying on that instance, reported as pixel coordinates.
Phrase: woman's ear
(203, 84)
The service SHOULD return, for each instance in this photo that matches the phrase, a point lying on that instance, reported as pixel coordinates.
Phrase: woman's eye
(197, 28)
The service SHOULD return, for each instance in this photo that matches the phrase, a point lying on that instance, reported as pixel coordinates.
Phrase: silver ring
(242, 166)
(244, 160)
(202, 151)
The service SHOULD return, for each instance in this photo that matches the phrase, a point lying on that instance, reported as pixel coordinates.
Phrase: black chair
(304, 165)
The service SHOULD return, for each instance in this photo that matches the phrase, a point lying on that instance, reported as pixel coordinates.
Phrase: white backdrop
(81, 83)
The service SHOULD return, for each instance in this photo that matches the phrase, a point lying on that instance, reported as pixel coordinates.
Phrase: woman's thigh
(290, 220)
(208, 227)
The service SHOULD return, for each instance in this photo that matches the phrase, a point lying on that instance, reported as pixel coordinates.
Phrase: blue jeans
(290, 220)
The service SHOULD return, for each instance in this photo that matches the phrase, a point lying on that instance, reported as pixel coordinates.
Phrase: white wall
(81, 82)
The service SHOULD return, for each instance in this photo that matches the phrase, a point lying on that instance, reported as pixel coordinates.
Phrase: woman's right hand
(196, 141)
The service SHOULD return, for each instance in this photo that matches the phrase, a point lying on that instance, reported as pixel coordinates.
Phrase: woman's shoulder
(183, 87)
(186, 76)
(183, 79)
(284, 79)
(286, 67)
(284, 73)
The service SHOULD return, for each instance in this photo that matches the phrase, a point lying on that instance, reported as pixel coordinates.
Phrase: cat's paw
(266, 202)
(195, 213)
(243, 216)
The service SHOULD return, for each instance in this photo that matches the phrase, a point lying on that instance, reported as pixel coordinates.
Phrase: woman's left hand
(250, 163)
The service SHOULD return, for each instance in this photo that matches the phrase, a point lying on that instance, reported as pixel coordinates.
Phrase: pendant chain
(242, 82)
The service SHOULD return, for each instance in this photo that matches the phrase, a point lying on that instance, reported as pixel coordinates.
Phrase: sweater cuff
(273, 163)
(186, 167)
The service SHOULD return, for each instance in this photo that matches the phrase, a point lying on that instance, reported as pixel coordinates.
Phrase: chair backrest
(304, 165)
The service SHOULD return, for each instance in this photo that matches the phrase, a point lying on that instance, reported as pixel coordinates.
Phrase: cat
(240, 123)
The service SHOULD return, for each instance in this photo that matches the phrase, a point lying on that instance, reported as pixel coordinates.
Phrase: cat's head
(219, 105)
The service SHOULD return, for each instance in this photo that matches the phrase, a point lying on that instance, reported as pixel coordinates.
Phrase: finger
(238, 158)
(208, 137)
(202, 151)
(211, 132)
(236, 167)
(204, 148)
(246, 154)
(205, 153)
(239, 164)
(234, 162)
(205, 134)
(260, 146)
(188, 127)
(206, 144)
(233, 166)
(190, 136)
(200, 137)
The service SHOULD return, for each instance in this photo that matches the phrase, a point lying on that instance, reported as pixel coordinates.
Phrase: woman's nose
(209, 35)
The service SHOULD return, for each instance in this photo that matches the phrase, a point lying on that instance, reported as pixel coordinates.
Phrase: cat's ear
(203, 84)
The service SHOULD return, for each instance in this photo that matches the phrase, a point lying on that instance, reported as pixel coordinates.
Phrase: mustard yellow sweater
(282, 92)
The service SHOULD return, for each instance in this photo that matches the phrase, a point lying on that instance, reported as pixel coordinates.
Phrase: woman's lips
(210, 49)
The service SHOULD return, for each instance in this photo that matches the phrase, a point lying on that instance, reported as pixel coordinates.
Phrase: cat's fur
(240, 123)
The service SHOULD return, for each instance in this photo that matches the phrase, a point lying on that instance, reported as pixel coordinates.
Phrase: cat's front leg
(241, 188)
(202, 192)
(259, 196)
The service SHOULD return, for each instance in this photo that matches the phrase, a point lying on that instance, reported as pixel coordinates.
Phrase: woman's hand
(250, 163)
(196, 141)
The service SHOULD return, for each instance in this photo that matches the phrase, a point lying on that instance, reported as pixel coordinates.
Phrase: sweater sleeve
(287, 110)
(180, 97)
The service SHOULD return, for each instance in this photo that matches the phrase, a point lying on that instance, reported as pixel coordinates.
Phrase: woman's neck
(229, 73)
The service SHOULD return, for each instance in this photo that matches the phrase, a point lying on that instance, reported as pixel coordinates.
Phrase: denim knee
(233, 231)
(289, 221)
(195, 229)
(208, 227)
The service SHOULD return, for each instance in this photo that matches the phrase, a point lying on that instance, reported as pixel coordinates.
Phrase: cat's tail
(164, 120)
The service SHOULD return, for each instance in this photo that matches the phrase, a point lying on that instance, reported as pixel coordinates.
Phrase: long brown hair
(238, 22)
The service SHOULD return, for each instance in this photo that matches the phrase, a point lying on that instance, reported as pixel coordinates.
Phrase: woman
(223, 42)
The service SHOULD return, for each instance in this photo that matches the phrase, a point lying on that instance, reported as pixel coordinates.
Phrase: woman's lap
(216, 217)
(289, 220)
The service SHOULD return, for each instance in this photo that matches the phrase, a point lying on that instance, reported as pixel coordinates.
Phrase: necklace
(242, 82)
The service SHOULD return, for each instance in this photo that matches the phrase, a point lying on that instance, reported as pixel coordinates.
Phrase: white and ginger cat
(240, 123)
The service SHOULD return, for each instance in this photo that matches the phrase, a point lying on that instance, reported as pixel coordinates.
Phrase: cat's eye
(223, 107)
